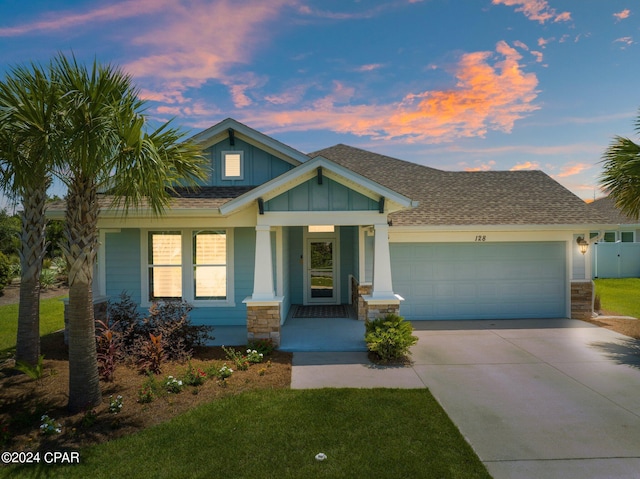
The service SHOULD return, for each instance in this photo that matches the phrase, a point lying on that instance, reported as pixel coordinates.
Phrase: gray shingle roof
(467, 198)
(606, 206)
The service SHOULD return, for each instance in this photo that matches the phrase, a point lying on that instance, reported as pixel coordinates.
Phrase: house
(616, 251)
(273, 228)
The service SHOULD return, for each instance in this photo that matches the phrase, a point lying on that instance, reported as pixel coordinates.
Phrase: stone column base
(379, 308)
(263, 320)
(582, 295)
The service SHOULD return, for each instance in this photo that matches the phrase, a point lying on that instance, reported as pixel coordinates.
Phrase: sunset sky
(455, 85)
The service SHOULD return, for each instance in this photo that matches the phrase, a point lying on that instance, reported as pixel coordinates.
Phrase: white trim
(223, 165)
(305, 218)
(187, 267)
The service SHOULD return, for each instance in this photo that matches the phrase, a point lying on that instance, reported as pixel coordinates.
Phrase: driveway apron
(534, 398)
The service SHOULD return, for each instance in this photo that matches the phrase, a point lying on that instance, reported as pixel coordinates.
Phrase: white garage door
(480, 281)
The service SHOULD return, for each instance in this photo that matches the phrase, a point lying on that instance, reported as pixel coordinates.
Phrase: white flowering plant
(224, 372)
(115, 405)
(253, 356)
(49, 426)
(173, 385)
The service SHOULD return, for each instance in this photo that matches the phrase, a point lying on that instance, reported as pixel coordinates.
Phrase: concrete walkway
(535, 399)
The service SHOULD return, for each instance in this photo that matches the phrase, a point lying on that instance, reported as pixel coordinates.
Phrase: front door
(321, 279)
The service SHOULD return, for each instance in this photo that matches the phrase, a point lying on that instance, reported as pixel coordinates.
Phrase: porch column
(382, 285)
(263, 267)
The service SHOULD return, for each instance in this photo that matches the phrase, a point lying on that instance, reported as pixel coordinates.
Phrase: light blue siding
(480, 281)
(329, 196)
(296, 252)
(259, 166)
(122, 263)
(348, 259)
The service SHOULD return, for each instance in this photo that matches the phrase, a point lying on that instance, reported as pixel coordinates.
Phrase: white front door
(321, 285)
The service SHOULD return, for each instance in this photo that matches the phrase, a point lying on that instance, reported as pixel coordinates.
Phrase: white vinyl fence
(615, 260)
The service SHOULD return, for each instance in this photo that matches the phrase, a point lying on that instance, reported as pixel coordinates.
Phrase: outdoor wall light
(582, 244)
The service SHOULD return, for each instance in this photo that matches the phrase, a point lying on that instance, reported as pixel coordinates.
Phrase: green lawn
(381, 433)
(620, 295)
(51, 319)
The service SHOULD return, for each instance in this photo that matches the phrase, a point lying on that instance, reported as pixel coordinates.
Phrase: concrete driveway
(534, 398)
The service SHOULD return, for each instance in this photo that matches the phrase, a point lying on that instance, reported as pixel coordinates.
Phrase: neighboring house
(273, 228)
(616, 252)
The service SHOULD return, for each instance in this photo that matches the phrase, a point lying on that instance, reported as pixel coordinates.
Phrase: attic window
(232, 165)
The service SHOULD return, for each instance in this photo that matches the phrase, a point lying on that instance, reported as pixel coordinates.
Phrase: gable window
(609, 237)
(210, 264)
(232, 165)
(165, 265)
(191, 264)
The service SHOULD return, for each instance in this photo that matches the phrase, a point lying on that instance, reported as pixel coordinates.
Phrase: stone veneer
(263, 322)
(582, 294)
(375, 311)
(358, 290)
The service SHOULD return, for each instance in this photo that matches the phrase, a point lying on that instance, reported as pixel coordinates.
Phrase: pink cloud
(573, 169)
(527, 165)
(537, 10)
(482, 167)
(109, 13)
(623, 14)
(491, 92)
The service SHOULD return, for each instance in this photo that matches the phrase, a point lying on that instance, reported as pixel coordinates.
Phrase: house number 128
(481, 238)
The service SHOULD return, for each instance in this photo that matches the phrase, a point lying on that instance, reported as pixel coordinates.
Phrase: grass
(277, 433)
(51, 319)
(621, 296)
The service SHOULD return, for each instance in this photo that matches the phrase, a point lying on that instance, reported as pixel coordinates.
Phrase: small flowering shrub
(253, 356)
(194, 377)
(49, 426)
(115, 405)
(224, 372)
(89, 418)
(264, 346)
(146, 395)
(241, 361)
(173, 385)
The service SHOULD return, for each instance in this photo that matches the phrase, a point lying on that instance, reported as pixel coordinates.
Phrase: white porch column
(382, 285)
(263, 272)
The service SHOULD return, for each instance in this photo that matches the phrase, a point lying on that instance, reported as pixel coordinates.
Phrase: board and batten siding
(259, 166)
(122, 264)
(329, 196)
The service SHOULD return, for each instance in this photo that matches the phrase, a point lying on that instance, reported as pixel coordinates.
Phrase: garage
(480, 280)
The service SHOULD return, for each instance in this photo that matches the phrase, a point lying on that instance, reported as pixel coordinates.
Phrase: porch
(307, 329)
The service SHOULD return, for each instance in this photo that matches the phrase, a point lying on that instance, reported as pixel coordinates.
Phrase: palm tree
(107, 146)
(29, 110)
(621, 175)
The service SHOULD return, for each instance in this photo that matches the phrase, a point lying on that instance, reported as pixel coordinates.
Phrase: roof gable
(222, 130)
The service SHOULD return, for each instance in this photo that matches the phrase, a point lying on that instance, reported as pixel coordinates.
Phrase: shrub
(5, 271)
(34, 371)
(240, 360)
(108, 350)
(194, 377)
(263, 346)
(152, 354)
(48, 278)
(389, 337)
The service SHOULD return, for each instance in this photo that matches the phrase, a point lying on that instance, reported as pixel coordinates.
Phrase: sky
(460, 85)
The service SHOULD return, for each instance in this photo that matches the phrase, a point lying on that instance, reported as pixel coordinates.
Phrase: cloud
(573, 169)
(536, 10)
(67, 20)
(527, 165)
(368, 68)
(622, 15)
(482, 167)
(491, 92)
(542, 42)
(626, 41)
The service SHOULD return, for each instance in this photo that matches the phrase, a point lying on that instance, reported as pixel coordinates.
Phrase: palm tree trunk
(32, 251)
(80, 251)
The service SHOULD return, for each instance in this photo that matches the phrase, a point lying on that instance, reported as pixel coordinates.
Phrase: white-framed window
(210, 265)
(627, 236)
(164, 265)
(232, 165)
(609, 237)
(195, 265)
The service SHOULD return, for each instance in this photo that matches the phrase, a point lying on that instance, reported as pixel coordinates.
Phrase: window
(232, 165)
(210, 264)
(609, 237)
(626, 236)
(193, 265)
(165, 265)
